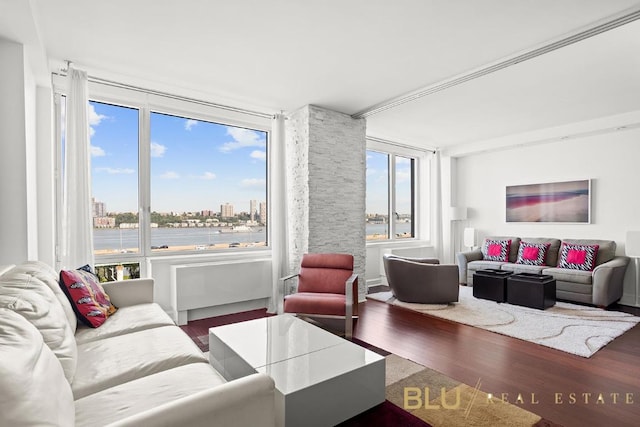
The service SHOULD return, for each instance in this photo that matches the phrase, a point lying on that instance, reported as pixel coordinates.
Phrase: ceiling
(353, 56)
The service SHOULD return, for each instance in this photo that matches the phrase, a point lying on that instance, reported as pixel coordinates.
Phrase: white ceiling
(352, 55)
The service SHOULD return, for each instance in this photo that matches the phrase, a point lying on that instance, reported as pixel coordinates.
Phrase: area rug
(442, 401)
(572, 328)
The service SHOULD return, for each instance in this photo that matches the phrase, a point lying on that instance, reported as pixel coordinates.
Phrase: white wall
(14, 189)
(611, 161)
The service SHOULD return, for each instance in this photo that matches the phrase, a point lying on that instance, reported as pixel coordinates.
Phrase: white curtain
(77, 229)
(436, 224)
(278, 210)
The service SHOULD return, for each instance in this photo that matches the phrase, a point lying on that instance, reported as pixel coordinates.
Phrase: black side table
(531, 290)
(491, 284)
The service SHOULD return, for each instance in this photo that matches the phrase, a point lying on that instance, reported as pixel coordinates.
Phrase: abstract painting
(568, 201)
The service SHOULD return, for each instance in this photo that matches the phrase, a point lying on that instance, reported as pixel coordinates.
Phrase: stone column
(326, 170)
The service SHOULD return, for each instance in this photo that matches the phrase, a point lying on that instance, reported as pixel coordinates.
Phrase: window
(208, 185)
(390, 196)
(114, 178)
(164, 182)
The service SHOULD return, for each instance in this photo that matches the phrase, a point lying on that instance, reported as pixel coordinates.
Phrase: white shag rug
(576, 329)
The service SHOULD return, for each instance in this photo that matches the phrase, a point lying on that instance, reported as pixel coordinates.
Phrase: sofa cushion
(126, 320)
(27, 296)
(33, 386)
(532, 253)
(90, 302)
(483, 265)
(496, 250)
(48, 276)
(146, 393)
(112, 361)
(513, 249)
(523, 268)
(577, 257)
(606, 248)
(568, 275)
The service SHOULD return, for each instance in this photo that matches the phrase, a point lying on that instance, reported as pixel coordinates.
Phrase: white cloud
(157, 150)
(253, 182)
(95, 118)
(116, 171)
(96, 151)
(259, 154)
(371, 171)
(402, 160)
(170, 175)
(208, 176)
(189, 123)
(242, 138)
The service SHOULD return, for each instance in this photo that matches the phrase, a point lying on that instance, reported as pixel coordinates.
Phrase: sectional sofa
(137, 369)
(601, 284)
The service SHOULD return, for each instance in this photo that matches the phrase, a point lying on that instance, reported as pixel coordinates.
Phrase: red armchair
(327, 287)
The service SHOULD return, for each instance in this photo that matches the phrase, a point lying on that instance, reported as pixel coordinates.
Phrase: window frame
(419, 187)
(147, 102)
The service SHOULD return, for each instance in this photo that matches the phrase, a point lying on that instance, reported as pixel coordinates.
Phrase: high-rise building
(226, 210)
(252, 209)
(263, 212)
(99, 209)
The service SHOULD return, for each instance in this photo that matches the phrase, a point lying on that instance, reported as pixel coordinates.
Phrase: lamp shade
(632, 248)
(469, 237)
(458, 213)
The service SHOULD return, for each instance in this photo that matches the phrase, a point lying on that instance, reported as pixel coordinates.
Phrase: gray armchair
(421, 280)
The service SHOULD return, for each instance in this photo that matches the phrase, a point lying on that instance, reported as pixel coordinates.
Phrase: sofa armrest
(608, 281)
(462, 259)
(129, 292)
(247, 401)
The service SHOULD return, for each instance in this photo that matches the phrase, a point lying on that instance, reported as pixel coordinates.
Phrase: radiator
(211, 284)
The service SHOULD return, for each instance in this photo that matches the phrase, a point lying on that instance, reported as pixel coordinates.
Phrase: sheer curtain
(77, 229)
(436, 223)
(278, 209)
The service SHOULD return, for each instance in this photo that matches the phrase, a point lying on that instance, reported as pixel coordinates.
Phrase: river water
(118, 239)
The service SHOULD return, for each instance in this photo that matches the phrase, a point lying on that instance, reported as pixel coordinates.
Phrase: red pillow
(88, 299)
(578, 257)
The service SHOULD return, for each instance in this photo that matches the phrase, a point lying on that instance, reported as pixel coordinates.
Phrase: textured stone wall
(326, 179)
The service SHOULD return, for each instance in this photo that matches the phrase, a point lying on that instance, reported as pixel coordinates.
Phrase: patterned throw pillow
(578, 257)
(496, 250)
(532, 253)
(88, 299)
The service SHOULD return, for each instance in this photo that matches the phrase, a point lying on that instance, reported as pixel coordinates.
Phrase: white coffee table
(321, 379)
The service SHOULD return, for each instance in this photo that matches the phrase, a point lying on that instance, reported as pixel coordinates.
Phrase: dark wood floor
(603, 390)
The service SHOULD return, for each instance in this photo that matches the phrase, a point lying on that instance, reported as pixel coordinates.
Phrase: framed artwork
(565, 202)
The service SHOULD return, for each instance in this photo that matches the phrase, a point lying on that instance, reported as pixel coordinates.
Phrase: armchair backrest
(325, 273)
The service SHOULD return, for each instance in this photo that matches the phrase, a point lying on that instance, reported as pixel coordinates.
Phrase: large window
(166, 183)
(390, 196)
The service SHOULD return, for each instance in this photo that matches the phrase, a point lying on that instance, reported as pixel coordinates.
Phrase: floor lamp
(457, 214)
(633, 250)
(469, 237)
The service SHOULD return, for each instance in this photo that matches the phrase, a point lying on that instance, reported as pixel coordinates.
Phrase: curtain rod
(112, 83)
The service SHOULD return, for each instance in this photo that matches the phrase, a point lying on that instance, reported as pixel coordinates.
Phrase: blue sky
(378, 183)
(195, 165)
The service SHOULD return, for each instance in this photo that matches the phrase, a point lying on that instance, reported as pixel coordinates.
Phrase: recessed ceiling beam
(626, 17)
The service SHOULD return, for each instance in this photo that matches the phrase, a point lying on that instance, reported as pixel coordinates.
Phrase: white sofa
(137, 369)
